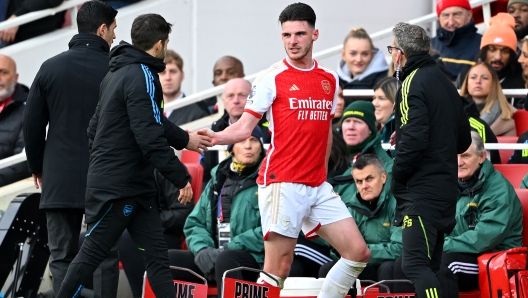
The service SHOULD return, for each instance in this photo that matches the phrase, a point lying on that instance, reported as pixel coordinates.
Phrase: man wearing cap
(498, 48)
(519, 10)
(456, 39)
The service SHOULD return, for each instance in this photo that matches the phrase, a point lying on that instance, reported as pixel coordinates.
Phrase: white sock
(341, 278)
(268, 280)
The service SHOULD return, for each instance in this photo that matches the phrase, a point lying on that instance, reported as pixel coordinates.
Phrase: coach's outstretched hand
(198, 142)
(208, 132)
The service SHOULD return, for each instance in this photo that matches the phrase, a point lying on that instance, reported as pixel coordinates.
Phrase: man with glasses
(431, 129)
(456, 38)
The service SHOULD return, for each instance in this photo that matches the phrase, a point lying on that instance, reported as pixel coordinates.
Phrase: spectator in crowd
(340, 106)
(64, 95)
(373, 208)
(225, 69)
(480, 126)
(519, 10)
(224, 231)
(524, 183)
(520, 156)
(361, 137)
(236, 92)
(362, 64)
(171, 79)
(9, 10)
(339, 160)
(488, 218)
(498, 49)
(431, 128)
(12, 102)
(483, 86)
(116, 4)
(384, 96)
(456, 38)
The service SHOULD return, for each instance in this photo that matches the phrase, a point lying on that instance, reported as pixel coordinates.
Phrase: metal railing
(35, 15)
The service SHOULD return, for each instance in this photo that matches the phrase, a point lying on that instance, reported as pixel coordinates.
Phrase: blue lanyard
(220, 212)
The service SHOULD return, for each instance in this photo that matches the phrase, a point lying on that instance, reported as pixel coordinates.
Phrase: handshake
(200, 140)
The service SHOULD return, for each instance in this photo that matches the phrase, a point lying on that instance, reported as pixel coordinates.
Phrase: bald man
(12, 102)
(227, 68)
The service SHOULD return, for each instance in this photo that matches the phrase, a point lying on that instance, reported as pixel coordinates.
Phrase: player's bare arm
(235, 133)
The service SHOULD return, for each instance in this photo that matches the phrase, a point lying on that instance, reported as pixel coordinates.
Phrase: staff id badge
(224, 234)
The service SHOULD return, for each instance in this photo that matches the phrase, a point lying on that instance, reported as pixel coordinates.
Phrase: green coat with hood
(488, 216)
(377, 226)
(344, 184)
(245, 225)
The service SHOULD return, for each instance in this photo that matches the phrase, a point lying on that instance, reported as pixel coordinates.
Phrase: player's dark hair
(364, 160)
(93, 14)
(298, 12)
(148, 29)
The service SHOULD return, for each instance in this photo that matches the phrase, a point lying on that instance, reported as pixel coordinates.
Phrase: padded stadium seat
(188, 156)
(212, 291)
(521, 121)
(523, 197)
(196, 171)
(505, 154)
(513, 172)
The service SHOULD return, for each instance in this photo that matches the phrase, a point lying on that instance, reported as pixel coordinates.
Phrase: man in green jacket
(224, 229)
(358, 125)
(373, 208)
(488, 218)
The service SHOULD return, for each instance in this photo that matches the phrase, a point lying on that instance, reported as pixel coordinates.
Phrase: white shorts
(288, 208)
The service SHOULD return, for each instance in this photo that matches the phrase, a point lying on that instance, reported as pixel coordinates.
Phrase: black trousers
(144, 225)
(227, 259)
(421, 256)
(64, 226)
(458, 272)
(133, 263)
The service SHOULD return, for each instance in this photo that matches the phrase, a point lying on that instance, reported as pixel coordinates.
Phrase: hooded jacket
(64, 94)
(375, 71)
(344, 184)
(480, 126)
(431, 129)
(382, 237)
(488, 216)
(459, 49)
(130, 135)
(11, 136)
(245, 226)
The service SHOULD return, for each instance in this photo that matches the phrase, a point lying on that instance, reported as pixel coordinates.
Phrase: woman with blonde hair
(523, 60)
(362, 64)
(483, 86)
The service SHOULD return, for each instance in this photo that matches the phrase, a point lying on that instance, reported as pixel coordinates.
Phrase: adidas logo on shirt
(294, 88)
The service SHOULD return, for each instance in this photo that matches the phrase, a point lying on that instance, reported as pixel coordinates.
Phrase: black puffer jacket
(11, 137)
(431, 129)
(130, 135)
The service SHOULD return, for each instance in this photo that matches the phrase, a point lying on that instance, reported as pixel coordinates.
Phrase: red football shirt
(300, 105)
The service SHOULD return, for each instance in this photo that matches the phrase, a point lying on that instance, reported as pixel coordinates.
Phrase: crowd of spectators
(360, 170)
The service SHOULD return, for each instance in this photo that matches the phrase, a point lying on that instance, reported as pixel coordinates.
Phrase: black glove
(205, 259)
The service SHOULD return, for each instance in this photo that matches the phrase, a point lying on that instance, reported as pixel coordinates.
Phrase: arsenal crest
(127, 210)
(326, 86)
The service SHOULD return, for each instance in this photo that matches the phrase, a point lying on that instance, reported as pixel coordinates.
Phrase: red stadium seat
(196, 171)
(523, 196)
(513, 172)
(521, 121)
(212, 291)
(189, 156)
(505, 154)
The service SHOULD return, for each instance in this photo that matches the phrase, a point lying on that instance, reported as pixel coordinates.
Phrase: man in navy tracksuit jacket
(131, 137)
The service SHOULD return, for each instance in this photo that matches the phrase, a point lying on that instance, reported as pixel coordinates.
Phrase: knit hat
(363, 110)
(443, 4)
(257, 133)
(500, 32)
(517, 1)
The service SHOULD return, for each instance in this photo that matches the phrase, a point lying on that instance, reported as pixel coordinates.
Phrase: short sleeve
(262, 95)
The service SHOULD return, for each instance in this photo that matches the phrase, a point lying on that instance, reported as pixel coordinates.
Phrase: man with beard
(519, 10)
(12, 102)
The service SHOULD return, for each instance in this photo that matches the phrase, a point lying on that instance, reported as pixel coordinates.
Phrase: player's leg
(99, 241)
(282, 207)
(338, 228)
